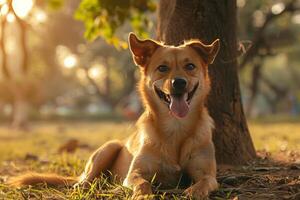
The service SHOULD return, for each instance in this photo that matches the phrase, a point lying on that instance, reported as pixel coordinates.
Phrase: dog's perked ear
(207, 52)
(141, 50)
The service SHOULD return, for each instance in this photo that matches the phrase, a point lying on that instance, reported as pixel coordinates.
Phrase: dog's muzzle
(178, 101)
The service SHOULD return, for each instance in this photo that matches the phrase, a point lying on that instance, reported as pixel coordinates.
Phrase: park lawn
(37, 150)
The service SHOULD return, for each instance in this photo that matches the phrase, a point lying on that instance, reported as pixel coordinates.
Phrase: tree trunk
(3, 49)
(20, 106)
(20, 114)
(254, 87)
(207, 20)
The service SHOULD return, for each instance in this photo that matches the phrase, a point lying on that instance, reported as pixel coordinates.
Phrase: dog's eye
(190, 67)
(163, 68)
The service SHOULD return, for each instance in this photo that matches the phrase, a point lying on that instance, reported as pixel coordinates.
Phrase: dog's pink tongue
(179, 107)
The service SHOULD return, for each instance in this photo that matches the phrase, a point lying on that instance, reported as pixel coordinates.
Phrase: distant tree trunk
(130, 80)
(107, 78)
(23, 42)
(2, 47)
(254, 87)
(279, 93)
(102, 95)
(207, 20)
(20, 104)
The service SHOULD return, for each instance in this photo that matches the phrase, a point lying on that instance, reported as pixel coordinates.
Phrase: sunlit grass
(274, 137)
(44, 139)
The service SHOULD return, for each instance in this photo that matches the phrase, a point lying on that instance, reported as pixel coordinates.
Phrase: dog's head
(173, 78)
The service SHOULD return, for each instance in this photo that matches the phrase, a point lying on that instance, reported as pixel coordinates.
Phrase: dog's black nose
(179, 84)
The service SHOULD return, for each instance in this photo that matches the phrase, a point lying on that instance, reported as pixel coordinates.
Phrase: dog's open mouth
(179, 103)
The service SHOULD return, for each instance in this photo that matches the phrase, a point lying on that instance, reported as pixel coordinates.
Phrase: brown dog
(173, 134)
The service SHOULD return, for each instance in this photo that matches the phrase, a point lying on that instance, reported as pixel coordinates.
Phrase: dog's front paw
(201, 189)
(142, 191)
(196, 192)
(142, 197)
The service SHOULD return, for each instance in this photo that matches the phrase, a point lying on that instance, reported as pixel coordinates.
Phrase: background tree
(16, 78)
(272, 27)
(29, 68)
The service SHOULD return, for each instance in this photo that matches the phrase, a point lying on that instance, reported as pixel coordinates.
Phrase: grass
(274, 137)
(37, 150)
(45, 138)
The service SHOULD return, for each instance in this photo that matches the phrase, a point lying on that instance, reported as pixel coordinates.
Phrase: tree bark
(207, 20)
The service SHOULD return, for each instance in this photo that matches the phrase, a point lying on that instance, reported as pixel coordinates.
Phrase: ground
(63, 146)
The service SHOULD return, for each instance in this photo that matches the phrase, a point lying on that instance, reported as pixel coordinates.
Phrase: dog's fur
(165, 145)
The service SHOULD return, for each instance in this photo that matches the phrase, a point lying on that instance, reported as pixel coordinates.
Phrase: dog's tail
(100, 161)
(33, 178)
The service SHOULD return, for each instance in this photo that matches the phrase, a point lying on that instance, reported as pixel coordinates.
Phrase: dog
(174, 134)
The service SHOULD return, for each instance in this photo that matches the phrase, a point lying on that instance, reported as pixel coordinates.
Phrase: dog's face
(174, 78)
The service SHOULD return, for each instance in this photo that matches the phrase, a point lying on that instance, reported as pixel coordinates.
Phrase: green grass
(274, 137)
(44, 139)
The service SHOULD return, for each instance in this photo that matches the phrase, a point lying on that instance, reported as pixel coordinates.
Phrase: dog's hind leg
(101, 160)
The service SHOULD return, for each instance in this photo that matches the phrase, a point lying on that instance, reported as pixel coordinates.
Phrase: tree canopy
(104, 17)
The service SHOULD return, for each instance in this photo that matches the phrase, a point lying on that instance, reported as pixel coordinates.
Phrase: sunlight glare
(96, 71)
(241, 3)
(70, 61)
(296, 19)
(4, 10)
(277, 8)
(2, 2)
(40, 16)
(22, 7)
(10, 18)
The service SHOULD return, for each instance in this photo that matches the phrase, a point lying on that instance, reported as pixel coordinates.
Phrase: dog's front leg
(141, 172)
(202, 169)
(140, 185)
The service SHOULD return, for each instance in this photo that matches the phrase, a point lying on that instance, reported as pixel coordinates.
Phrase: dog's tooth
(186, 96)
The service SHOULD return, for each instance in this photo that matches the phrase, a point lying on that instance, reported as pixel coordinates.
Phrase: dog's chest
(170, 171)
(174, 127)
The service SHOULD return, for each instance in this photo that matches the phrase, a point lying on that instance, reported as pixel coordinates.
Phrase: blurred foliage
(277, 54)
(104, 17)
(54, 4)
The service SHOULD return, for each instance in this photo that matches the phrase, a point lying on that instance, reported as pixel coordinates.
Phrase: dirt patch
(269, 177)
